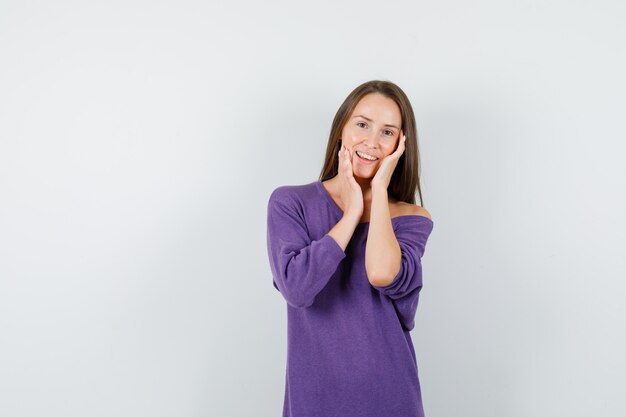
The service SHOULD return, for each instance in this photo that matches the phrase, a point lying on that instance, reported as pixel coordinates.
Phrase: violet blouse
(349, 350)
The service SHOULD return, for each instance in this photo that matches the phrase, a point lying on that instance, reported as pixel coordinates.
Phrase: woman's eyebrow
(370, 120)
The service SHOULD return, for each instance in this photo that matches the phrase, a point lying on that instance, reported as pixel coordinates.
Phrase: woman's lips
(363, 160)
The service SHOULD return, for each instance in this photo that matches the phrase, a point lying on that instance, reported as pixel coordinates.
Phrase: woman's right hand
(351, 193)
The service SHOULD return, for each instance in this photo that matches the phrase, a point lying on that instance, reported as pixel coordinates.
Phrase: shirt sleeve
(301, 267)
(404, 290)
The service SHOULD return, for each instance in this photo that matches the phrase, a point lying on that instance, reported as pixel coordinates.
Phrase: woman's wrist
(378, 189)
(352, 217)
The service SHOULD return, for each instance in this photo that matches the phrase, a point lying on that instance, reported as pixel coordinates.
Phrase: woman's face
(373, 128)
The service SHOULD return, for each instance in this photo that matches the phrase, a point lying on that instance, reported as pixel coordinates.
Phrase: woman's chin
(364, 174)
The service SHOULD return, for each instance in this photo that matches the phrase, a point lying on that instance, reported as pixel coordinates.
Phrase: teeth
(366, 156)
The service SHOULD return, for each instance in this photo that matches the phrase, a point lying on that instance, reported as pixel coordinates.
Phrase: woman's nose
(370, 140)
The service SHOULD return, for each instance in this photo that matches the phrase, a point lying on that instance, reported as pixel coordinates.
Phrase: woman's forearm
(382, 251)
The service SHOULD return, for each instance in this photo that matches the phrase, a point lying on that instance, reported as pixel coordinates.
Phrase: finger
(341, 161)
(401, 145)
(349, 165)
(401, 148)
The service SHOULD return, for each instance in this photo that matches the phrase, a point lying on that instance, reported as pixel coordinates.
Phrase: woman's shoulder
(292, 193)
(408, 209)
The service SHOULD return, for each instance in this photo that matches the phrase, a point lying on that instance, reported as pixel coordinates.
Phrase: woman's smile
(363, 160)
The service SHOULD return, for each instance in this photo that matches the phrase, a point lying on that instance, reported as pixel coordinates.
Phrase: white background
(139, 143)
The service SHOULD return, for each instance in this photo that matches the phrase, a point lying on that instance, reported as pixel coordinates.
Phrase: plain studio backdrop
(140, 142)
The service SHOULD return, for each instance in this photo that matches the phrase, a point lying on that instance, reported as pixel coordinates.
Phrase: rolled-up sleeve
(301, 267)
(412, 234)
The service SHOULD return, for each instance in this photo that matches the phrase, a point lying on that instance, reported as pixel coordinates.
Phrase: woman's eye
(388, 132)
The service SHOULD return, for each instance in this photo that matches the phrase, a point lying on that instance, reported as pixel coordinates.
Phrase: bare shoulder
(413, 209)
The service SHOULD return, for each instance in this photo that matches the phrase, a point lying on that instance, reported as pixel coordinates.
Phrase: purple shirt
(349, 350)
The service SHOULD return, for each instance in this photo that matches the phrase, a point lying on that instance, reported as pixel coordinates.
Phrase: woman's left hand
(388, 165)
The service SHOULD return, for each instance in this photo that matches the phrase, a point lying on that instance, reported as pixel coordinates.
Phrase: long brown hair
(405, 180)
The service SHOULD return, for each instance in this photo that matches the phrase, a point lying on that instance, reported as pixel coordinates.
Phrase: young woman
(345, 253)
